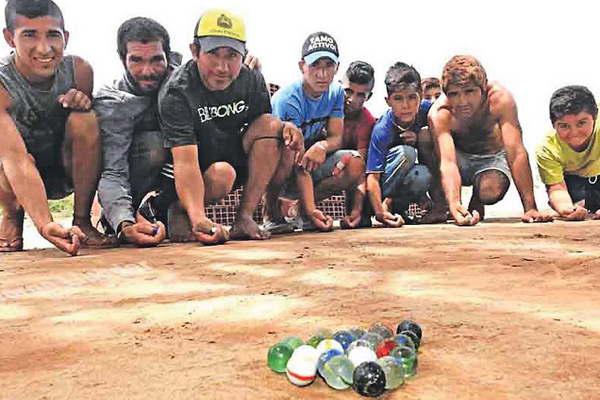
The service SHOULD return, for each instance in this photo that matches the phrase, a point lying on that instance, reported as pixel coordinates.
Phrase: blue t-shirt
(310, 115)
(386, 135)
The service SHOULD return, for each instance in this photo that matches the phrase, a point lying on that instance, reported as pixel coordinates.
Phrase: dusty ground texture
(509, 311)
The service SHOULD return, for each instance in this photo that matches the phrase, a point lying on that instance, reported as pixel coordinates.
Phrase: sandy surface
(509, 311)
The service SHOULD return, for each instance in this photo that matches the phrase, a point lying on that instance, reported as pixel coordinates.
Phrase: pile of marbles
(370, 361)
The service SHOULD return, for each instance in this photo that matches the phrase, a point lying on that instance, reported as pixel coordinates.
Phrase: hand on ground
(67, 240)
(143, 233)
(390, 220)
(536, 216)
(578, 213)
(207, 232)
(462, 216)
(322, 222)
(351, 221)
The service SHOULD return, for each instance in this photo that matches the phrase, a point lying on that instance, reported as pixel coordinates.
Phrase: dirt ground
(509, 311)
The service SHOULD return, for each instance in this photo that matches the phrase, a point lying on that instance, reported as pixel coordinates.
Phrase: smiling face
(218, 67)
(405, 105)
(318, 76)
(465, 100)
(575, 130)
(39, 45)
(146, 64)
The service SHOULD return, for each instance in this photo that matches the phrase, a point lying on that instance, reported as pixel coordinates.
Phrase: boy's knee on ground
(491, 186)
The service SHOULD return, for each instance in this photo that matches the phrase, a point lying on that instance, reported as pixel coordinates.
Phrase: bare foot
(11, 232)
(476, 205)
(93, 238)
(245, 228)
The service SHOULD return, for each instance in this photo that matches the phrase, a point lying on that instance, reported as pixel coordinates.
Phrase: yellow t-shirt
(555, 158)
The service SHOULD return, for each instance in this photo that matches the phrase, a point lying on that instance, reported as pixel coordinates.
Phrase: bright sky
(532, 48)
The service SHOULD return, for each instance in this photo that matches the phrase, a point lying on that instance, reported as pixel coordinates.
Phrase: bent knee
(491, 186)
(82, 125)
(419, 179)
(410, 154)
(266, 125)
(355, 168)
(218, 180)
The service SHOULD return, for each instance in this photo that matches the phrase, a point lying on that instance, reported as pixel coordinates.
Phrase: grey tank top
(39, 117)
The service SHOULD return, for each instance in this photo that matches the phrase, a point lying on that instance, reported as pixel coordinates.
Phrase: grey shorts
(470, 165)
(324, 171)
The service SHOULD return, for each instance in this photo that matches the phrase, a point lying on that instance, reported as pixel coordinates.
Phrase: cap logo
(322, 42)
(224, 22)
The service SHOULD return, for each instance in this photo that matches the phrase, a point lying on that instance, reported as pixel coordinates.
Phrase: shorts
(470, 165)
(403, 177)
(582, 188)
(324, 171)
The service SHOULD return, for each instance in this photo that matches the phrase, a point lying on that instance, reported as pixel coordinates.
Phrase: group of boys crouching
(193, 133)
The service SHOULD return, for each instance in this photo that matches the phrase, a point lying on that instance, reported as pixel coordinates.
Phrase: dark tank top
(37, 114)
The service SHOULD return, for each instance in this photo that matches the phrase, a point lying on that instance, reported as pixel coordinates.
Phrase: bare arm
(516, 154)
(440, 123)
(189, 182)
(561, 202)
(79, 98)
(444, 145)
(307, 197)
(84, 76)
(20, 169)
(374, 191)
(317, 153)
(335, 133)
(27, 185)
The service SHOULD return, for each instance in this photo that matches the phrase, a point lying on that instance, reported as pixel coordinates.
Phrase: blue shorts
(403, 178)
(470, 165)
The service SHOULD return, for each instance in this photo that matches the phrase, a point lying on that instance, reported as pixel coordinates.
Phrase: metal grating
(223, 212)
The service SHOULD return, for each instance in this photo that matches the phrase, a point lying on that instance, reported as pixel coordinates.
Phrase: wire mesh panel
(415, 211)
(223, 212)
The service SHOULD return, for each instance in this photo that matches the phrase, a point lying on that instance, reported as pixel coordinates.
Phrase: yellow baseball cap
(220, 28)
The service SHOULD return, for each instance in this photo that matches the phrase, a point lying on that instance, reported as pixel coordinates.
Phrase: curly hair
(462, 70)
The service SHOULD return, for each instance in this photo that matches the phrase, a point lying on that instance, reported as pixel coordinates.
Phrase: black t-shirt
(191, 114)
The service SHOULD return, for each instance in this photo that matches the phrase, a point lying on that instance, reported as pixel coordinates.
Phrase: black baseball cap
(318, 45)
